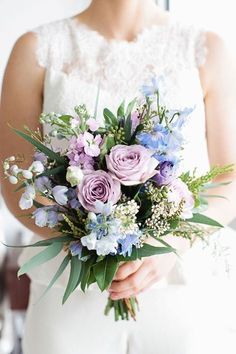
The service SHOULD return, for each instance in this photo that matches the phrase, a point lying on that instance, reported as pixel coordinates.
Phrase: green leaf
(50, 252)
(146, 251)
(23, 185)
(53, 171)
(65, 118)
(105, 270)
(37, 204)
(110, 118)
(57, 275)
(85, 275)
(50, 153)
(127, 128)
(75, 269)
(121, 110)
(130, 107)
(45, 243)
(202, 219)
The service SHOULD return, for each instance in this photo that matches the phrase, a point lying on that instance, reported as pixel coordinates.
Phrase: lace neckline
(79, 26)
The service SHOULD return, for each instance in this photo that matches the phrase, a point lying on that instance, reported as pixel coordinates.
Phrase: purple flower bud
(165, 174)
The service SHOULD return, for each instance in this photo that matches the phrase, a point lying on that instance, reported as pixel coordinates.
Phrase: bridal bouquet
(112, 189)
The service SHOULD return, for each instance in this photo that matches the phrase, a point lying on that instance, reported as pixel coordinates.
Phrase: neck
(120, 18)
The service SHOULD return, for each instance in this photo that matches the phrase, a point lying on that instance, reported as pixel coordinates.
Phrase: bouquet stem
(123, 309)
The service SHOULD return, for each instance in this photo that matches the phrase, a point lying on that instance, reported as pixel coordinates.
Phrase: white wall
(19, 16)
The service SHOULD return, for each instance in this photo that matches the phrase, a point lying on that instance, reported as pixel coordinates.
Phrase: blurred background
(17, 17)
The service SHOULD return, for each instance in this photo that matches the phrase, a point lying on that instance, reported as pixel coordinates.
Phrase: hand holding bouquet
(113, 188)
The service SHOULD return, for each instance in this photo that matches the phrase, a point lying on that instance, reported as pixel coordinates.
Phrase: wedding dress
(192, 311)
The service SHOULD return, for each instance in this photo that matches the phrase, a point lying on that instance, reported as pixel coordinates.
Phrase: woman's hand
(134, 277)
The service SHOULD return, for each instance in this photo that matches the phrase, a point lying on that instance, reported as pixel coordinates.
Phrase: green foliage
(202, 219)
(105, 270)
(75, 269)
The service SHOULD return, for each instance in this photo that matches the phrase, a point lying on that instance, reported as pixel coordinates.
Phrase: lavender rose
(98, 185)
(131, 165)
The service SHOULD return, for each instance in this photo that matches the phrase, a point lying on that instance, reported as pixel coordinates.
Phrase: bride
(121, 44)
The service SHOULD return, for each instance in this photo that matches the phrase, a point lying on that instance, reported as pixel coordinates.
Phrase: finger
(131, 282)
(127, 269)
(147, 282)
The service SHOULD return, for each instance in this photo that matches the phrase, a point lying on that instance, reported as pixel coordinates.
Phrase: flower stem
(123, 309)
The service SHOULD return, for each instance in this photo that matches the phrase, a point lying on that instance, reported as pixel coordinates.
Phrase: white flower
(74, 175)
(27, 174)
(106, 245)
(13, 180)
(89, 241)
(37, 167)
(104, 208)
(27, 198)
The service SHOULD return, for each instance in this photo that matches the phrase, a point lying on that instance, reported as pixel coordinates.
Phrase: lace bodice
(78, 59)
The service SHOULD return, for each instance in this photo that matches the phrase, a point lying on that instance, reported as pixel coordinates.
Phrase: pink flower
(91, 144)
(98, 185)
(92, 124)
(135, 121)
(131, 165)
(179, 191)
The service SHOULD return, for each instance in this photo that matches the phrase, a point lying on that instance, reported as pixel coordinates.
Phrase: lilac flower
(77, 155)
(43, 184)
(74, 122)
(47, 216)
(27, 198)
(91, 144)
(92, 124)
(76, 248)
(166, 173)
(126, 243)
(60, 194)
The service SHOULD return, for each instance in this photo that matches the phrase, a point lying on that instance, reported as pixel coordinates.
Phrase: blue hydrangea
(126, 244)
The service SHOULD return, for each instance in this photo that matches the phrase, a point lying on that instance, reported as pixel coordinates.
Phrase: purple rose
(131, 165)
(98, 185)
(166, 173)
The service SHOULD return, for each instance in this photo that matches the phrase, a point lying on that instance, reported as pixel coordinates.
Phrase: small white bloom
(92, 216)
(27, 198)
(27, 174)
(37, 167)
(15, 170)
(89, 241)
(74, 175)
(106, 245)
(13, 180)
(6, 166)
(60, 194)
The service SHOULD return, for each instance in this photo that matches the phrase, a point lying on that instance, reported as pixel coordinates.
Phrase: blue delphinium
(126, 243)
(155, 139)
(154, 87)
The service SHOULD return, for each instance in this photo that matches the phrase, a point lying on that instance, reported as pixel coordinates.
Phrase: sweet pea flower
(40, 156)
(59, 193)
(165, 174)
(131, 165)
(47, 216)
(27, 198)
(42, 184)
(98, 185)
(37, 167)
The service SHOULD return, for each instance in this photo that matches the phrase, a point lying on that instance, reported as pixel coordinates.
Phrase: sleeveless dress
(191, 311)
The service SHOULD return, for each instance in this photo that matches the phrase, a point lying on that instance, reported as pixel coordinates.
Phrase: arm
(21, 104)
(219, 84)
(218, 77)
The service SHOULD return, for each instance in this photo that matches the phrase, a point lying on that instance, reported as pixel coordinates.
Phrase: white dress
(191, 311)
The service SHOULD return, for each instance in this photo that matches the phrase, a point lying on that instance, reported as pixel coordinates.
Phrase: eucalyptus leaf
(128, 128)
(110, 118)
(130, 107)
(85, 275)
(46, 255)
(121, 110)
(75, 269)
(53, 171)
